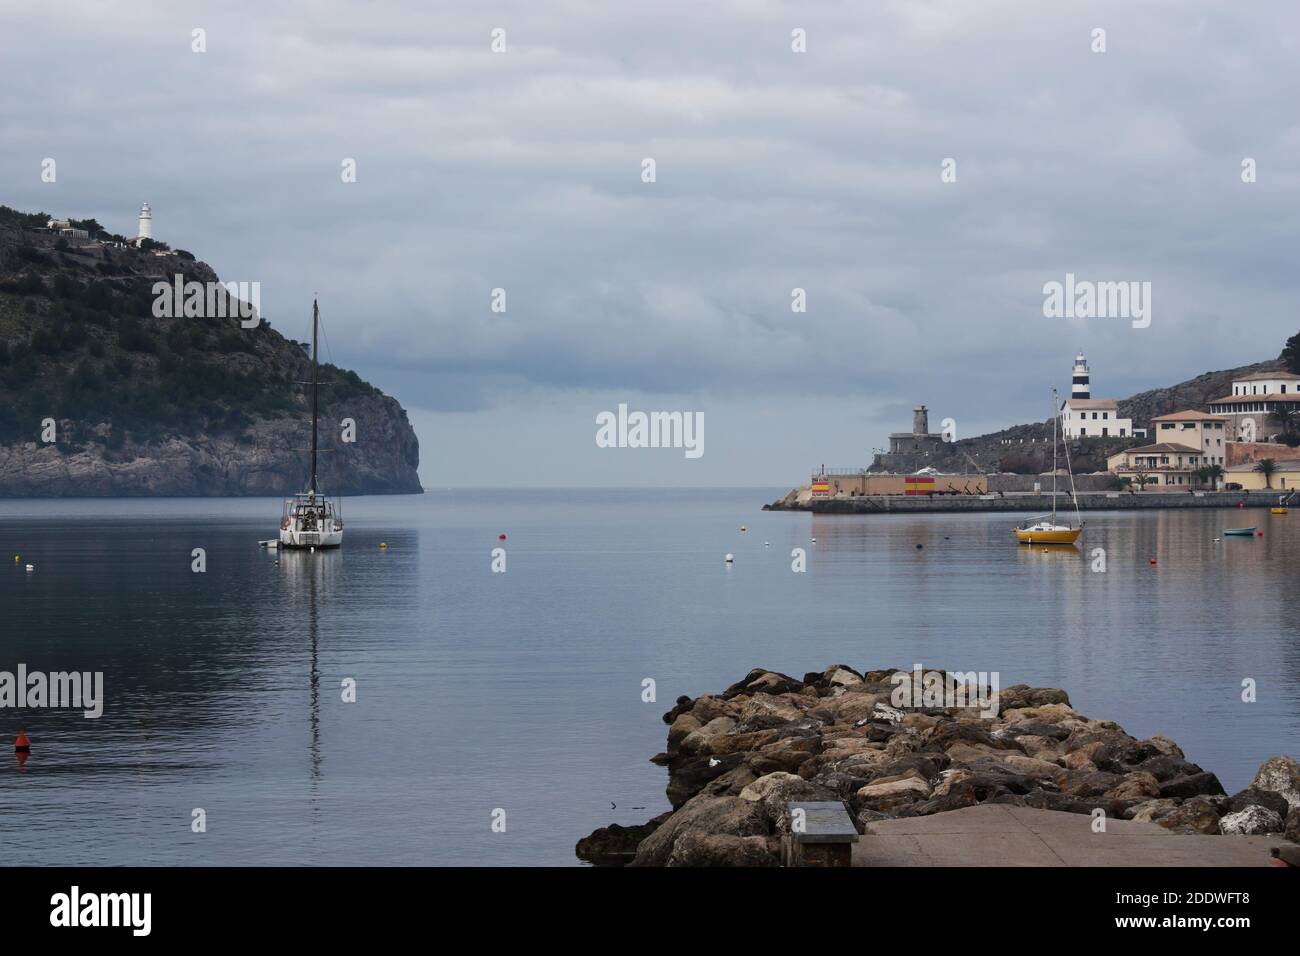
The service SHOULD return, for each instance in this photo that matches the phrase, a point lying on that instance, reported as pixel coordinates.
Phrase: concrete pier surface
(1004, 835)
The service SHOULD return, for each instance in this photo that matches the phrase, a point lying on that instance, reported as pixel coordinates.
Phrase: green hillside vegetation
(79, 343)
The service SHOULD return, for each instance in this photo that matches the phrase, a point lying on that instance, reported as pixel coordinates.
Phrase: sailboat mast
(315, 391)
(1055, 413)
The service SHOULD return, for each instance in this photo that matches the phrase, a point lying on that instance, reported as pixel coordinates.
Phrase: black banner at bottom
(333, 905)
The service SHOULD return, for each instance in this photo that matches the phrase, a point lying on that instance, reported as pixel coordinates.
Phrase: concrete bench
(821, 834)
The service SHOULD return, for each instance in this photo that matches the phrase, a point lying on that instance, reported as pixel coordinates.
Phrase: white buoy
(32, 567)
(814, 541)
(767, 544)
(729, 559)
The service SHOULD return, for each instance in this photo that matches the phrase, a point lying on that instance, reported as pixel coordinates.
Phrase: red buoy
(1153, 560)
(22, 745)
(1259, 534)
(501, 537)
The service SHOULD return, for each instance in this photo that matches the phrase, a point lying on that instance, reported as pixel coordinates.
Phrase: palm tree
(1266, 467)
(1142, 478)
(1210, 474)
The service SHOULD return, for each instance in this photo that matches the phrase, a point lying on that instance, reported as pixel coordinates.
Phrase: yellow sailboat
(1049, 529)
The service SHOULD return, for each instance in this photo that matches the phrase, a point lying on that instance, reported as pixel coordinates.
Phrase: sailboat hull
(311, 539)
(1047, 536)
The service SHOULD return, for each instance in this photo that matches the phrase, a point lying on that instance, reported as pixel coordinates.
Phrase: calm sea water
(523, 691)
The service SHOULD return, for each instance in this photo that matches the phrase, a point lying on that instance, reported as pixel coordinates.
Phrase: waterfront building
(1186, 442)
(1251, 409)
(1202, 431)
(1164, 465)
(1285, 477)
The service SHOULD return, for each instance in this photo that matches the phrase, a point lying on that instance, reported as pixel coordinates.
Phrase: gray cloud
(775, 170)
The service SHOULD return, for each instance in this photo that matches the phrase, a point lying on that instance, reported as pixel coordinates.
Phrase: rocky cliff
(101, 396)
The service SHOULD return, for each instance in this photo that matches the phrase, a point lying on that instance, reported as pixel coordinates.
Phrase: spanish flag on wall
(821, 489)
(918, 484)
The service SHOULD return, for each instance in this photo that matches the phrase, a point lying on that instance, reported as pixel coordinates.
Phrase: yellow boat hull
(1067, 536)
(1277, 511)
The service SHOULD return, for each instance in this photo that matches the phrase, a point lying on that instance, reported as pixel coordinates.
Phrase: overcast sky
(522, 170)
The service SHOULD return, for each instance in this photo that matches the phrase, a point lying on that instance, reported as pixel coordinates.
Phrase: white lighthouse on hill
(146, 223)
(1079, 387)
(1083, 416)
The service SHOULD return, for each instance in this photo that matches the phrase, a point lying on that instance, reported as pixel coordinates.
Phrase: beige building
(1286, 476)
(1255, 399)
(1161, 467)
(1185, 443)
(1202, 431)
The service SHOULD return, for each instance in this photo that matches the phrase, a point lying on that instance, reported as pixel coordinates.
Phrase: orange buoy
(22, 745)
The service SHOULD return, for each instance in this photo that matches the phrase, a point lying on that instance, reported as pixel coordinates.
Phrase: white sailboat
(310, 519)
(1048, 529)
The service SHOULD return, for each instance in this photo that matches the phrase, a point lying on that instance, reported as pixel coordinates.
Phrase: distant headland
(102, 393)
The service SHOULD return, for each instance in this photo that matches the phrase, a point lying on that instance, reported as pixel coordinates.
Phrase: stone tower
(920, 421)
(146, 223)
(1079, 387)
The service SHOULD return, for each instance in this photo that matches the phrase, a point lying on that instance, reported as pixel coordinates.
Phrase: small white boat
(309, 519)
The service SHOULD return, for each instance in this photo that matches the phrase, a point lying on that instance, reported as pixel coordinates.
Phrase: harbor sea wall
(1035, 503)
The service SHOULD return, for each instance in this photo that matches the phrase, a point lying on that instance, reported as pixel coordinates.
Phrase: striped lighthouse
(1079, 387)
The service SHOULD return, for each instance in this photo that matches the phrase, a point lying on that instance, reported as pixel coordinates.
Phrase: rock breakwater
(736, 759)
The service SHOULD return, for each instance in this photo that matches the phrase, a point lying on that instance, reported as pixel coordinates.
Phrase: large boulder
(1280, 775)
(1150, 811)
(1139, 785)
(1191, 816)
(616, 845)
(759, 681)
(695, 848)
(1253, 797)
(1253, 819)
(704, 815)
(1022, 696)
(889, 793)
(1191, 785)
(774, 792)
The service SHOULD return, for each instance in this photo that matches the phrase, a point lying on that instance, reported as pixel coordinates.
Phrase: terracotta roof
(1267, 376)
(1082, 403)
(1270, 397)
(1188, 416)
(1163, 447)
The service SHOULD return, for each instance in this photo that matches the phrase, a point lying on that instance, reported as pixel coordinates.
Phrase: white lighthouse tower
(146, 223)
(1079, 387)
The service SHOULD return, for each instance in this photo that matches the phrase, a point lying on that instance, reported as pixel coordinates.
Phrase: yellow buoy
(383, 545)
